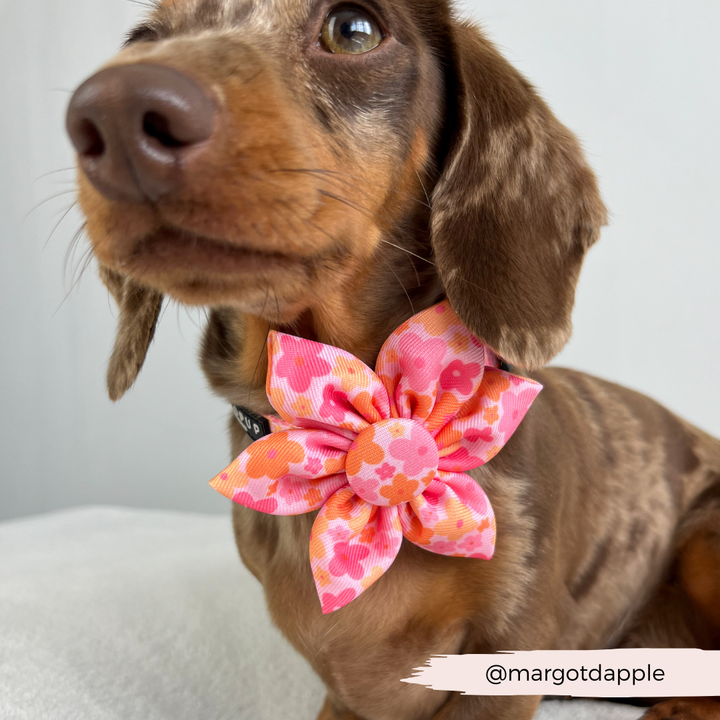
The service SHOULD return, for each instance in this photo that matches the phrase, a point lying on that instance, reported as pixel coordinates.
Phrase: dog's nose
(134, 128)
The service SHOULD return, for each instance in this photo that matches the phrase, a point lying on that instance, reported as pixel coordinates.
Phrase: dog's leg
(685, 709)
(686, 610)
(699, 571)
(473, 707)
(698, 576)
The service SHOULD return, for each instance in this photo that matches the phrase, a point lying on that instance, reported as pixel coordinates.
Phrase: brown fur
(365, 189)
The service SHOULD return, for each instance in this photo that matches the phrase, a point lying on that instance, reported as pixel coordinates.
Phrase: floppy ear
(514, 210)
(139, 312)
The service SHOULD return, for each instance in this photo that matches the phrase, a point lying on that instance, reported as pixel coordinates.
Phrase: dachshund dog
(329, 170)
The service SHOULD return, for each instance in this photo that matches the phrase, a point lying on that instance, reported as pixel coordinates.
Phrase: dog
(328, 170)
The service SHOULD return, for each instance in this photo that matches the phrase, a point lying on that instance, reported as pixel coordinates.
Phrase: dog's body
(256, 159)
(603, 500)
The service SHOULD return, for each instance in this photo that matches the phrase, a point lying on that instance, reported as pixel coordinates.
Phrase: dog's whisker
(359, 208)
(47, 200)
(430, 262)
(72, 247)
(422, 185)
(334, 182)
(162, 313)
(352, 180)
(177, 320)
(190, 312)
(54, 172)
(408, 252)
(85, 263)
(59, 222)
(407, 295)
(366, 212)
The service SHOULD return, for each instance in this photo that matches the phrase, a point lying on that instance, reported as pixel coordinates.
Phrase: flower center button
(392, 461)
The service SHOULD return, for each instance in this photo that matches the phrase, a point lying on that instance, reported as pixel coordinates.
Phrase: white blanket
(118, 614)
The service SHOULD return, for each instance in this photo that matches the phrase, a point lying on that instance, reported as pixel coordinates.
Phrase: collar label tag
(256, 426)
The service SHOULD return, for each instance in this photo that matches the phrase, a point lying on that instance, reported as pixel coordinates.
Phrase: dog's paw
(685, 709)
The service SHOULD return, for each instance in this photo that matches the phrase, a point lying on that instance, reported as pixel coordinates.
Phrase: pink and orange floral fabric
(381, 454)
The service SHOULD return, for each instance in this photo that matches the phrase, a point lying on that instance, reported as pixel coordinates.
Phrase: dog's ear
(139, 312)
(515, 207)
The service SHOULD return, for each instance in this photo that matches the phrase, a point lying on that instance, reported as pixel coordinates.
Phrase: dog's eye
(350, 30)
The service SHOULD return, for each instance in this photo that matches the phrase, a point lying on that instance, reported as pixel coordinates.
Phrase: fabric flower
(459, 375)
(415, 452)
(347, 560)
(272, 461)
(382, 455)
(300, 363)
(333, 404)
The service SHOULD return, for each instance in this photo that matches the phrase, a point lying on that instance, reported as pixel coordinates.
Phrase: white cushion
(119, 614)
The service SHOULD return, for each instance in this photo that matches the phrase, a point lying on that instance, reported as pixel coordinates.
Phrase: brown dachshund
(330, 170)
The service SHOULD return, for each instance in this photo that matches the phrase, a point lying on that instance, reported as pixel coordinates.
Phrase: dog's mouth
(173, 249)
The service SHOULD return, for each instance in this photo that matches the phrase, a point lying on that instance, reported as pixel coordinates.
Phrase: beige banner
(577, 673)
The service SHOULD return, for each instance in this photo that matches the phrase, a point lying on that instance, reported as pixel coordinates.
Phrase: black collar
(256, 426)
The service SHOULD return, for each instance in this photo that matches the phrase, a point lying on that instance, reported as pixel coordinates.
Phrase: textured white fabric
(117, 614)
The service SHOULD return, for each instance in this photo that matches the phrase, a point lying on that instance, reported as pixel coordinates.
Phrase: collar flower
(382, 455)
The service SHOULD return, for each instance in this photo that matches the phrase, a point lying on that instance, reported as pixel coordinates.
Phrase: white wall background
(638, 81)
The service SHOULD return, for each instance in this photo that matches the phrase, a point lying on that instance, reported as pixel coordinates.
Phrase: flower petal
(277, 424)
(431, 366)
(352, 544)
(286, 473)
(452, 517)
(486, 422)
(312, 385)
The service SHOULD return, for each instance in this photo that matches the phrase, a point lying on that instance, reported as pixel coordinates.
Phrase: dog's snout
(136, 126)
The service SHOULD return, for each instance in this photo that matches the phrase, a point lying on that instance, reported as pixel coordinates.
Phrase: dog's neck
(234, 354)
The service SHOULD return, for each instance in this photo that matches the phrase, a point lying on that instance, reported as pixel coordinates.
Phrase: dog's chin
(171, 249)
(267, 303)
(198, 270)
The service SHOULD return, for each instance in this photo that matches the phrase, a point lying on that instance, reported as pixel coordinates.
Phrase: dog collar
(381, 455)
(256, 426)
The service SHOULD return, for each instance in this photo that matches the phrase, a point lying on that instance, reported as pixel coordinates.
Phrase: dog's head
(328, 168)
